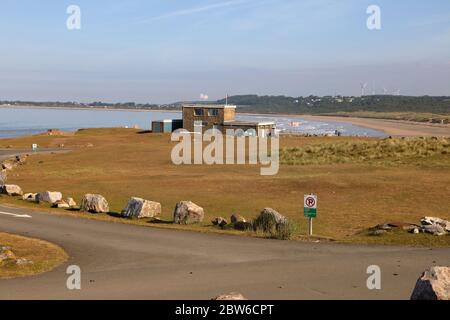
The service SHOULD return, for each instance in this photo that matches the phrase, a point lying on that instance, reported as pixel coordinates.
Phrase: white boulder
(11, 190)
(141, 208)
(434, 284)
(94, 203)
(187, 212)
(49, 196)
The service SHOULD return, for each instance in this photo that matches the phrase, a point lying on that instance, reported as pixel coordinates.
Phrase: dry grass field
(43, 255)
(354, 194)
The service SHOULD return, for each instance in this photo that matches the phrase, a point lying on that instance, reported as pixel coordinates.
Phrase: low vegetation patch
(21, 256)
(407, 116)
(378, 151)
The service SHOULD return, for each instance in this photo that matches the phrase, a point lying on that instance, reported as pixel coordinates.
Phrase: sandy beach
(395, 128)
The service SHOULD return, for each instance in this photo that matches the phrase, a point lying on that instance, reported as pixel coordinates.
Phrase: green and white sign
(310, 205)
(34, 147)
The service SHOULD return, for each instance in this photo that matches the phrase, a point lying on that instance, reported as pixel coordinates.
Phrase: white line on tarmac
(15, 215)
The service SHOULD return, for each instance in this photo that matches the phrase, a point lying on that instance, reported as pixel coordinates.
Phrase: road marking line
(15, 215)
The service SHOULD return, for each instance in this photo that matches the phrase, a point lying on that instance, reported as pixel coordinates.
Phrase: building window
(213, 112)
(198, 112)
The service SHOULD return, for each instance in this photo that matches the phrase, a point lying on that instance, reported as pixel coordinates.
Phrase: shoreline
(390, 127)
(395, 128)
(88, 108)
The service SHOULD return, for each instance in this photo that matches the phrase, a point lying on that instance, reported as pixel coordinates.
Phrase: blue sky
(168, 50)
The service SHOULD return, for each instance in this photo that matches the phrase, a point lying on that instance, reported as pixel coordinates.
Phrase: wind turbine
(363, 88)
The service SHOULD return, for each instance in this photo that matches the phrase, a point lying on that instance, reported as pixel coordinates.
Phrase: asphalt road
(121, 261)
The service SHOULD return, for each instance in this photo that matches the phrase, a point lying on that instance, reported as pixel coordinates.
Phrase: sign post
(310, 209)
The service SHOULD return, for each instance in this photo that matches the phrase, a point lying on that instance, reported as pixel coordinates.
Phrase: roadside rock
(436, 221)
(187, 212)
(94, 203)
(276, 215)
(71, 202)
(434, 284)
(8, 165)
(29, 197)
(49, 196)
(141, 208)
(11, 190)
(61, 204)
(219, 221)
(230, 296)
(237, 218)
(434, 229)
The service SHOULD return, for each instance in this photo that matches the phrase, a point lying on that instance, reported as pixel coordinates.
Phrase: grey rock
(141, 208)
(49, 196)
(436, 221)
(187, 212)
(94, 203)
(11, 190)
(279, 218)
(434, 284)
(434, 229)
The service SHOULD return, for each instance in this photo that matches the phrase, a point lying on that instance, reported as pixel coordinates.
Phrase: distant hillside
(283, 104)
(328, 104)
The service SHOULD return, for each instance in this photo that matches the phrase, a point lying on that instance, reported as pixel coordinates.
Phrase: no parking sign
(310, 205)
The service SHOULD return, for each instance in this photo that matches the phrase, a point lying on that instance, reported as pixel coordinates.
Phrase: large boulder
(428, 221)
(279, 218)
(141, 208)
(11, 190)
(269, 219)
(94, 203)
(187, 212)
(434, 284)
(434, 229)
(49, 196)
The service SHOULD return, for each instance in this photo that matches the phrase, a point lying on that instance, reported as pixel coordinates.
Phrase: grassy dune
(435, 151)
(354, 194)
(408, 116)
